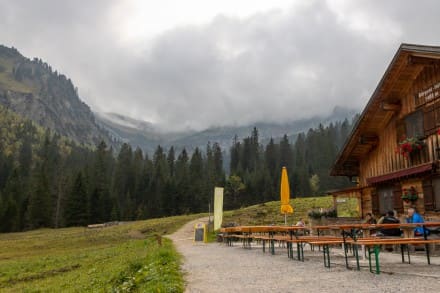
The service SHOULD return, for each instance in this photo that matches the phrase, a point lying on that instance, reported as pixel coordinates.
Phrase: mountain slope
(33, 90)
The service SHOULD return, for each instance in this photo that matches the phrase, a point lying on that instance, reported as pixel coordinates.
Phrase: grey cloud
(275, 66)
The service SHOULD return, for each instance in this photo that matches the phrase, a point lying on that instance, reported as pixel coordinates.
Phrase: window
(414, 124)
(348, 207)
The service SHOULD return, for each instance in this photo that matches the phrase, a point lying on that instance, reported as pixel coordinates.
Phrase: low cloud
(273, 66)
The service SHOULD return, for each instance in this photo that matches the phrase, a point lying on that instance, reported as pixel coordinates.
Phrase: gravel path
(216, 267)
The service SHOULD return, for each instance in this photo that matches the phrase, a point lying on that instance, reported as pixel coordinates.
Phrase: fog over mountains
(147, 135)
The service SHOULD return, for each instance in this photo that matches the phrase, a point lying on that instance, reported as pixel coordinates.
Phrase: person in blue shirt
(414, 217)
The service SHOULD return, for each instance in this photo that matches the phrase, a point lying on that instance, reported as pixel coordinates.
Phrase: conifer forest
(47, 180)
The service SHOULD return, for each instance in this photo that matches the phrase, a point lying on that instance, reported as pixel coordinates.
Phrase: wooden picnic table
(351, 231)
(270, 230)
(349, 236)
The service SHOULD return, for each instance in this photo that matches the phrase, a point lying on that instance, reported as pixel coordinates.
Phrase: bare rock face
(33, 90)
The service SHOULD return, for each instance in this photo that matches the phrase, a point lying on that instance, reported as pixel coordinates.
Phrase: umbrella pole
(285, 219)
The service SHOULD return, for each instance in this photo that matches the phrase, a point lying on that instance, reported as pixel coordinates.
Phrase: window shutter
(437, 113)
(397, 198)
(429, 124)
(428, 195)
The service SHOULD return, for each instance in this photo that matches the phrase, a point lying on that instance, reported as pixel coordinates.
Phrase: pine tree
(8, 213)
(123, 180)
(39, 210)
(76, 205)
(197, 190)
(235, 151)
(160, 177)
(100, 204)
(183, 197)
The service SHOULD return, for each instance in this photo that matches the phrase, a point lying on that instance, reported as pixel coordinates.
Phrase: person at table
(300, 223)
(369, 219)
(389, 218)
(414, 217)
(382, 216)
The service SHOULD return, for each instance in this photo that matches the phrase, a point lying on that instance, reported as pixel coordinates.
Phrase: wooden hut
(393, 150)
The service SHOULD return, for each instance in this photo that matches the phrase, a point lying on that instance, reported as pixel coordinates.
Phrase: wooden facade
(405, 104)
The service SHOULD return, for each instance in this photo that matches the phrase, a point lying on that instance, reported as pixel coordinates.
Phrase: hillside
(32, 89)
(269, 213)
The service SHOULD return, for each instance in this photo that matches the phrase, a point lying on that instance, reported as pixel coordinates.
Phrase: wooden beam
(418, 60)
(395, 107)
(369, 139)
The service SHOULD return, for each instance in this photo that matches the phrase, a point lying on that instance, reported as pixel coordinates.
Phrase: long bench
(403, 242)
(312, 240)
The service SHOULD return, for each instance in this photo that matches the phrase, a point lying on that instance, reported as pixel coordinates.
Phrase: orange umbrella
(286, 208)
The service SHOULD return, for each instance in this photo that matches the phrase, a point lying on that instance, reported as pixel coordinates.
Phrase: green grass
(269, 213)
(125, 258)
(8, 82)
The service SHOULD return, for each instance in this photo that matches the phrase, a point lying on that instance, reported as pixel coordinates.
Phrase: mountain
(147, 135)
(33, 90)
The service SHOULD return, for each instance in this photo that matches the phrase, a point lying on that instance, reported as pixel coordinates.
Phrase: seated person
(390, 219)
(382, 216)
(369, 219)
(414, 217)
(300, 223)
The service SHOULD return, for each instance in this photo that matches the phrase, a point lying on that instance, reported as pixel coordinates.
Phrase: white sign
(430, 93)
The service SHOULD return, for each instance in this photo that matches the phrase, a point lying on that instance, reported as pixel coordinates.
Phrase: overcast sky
(200, 63)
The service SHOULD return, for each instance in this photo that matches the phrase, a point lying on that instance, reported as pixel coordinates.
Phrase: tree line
(255, 170)
(49, 181)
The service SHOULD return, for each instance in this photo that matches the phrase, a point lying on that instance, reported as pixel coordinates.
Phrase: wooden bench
(326, 243)
(403, 242)
(312, 240)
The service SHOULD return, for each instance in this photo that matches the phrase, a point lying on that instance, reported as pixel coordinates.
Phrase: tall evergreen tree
(76, 206)
(183, 184)
(39, 210)
(197, 190)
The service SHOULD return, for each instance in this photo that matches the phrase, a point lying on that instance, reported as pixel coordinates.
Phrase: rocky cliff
(32, 89)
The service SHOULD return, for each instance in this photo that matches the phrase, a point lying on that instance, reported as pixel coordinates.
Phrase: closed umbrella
(286, 208)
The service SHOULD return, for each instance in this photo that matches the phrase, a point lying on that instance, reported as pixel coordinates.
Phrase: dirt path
(218, 268)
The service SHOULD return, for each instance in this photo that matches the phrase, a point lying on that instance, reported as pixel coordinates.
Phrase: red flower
(409, 145)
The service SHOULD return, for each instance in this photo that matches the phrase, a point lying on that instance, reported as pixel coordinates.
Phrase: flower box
(409, 145)
(410, 194)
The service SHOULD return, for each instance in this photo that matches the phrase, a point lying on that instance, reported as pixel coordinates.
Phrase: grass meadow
(123, 258)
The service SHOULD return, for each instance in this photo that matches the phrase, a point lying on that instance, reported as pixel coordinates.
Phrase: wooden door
(431, 194)
(397, 198)
(386, 198)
